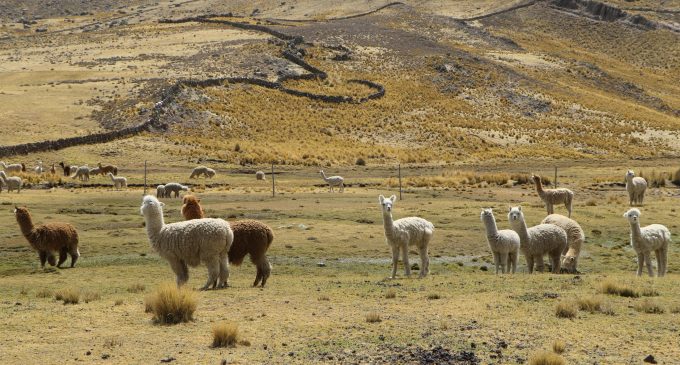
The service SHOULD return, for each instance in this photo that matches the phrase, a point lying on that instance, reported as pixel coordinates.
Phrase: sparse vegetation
(433, 296)
(614, 288)
(390, 293)
(225, 334)
(566, 309)
(171, 305)
(68, 295)
(559, 346)
(649, 306)
(89, 296)
(546, 358)
(136, 288)
(591, 304)
(373, 317)
(44, 293)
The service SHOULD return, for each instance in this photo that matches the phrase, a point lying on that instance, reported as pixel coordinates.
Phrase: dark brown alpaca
(66, 168)
(191, 208)
(48, 238)
(108, 168)
(250, 238)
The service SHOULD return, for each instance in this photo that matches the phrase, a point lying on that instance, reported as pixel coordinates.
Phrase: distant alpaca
(48, 238)
(119, 182)
(174, 188)
(654, 237)
(160, 191)
(504, 243)
(260, 175)
(82, 173)
(202, 170)
(189, 243)
(333, 181)
(11, 169)
(636, 187)
(53, 170)
(68, 170)
(12, 182)
(538, 240)
(191, 208)
(95, 171)
(553, 196)
(575, 239)
(404, 232)
(107, 169)
(39, 168)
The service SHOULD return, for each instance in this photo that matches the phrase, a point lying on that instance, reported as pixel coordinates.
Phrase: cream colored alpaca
(553, 196)
(654, 237)
(333, 181)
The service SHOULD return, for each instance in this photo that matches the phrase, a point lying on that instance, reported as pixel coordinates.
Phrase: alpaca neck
(635, 231)
(154, 224)
(539, 187)
(388, 223)
(491, 228)
(26, 225)
(323, 176)
(522, 231)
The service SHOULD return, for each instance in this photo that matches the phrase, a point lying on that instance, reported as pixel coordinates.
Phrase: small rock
(484, 268)
(105, 356)
(291, 354)
(650, 360)
(168, 359)
(415, 267)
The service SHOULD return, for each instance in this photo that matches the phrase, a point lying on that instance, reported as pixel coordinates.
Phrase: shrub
(391, 293)
(225, 334)
(433, 296)
(559, 346)
(546, 358)
(324, 298)
(566, 309)
(136, 288)
(360, 162)
(68, 295)
(613, 288)
(675, 309)
(649, 306)
(118, 302)
(90, 296)
(590, 304)
(591, 203)
(170, 304)
(44, 293)
(373, 317)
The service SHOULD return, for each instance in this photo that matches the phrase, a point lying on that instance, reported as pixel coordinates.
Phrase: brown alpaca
(48, 238)
(53, 170)
(108, 168)
(23, 167)
(191, 208)
(250, 238)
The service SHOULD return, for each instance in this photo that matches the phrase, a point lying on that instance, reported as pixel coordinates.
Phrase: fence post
(144, 177)
(273, 186)
(399, 169)
(555, 176)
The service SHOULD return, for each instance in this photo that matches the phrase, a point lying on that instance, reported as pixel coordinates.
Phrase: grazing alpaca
(174, 188)
(107, 169)
(504, 243)
(189, 243)
(160, 191)
(636, 187)
(202, 170)
(11, 169)
(68, 170)
(654, 237)
(553, 196)
(191, 208)
(575, 239)
(260, 175)
(12, 182)
(250, 238)
(95, 171)
(538, 240)
(119, 182)
(82, 173)
(48, 238)
(333, 181)
(39, 168)
(404, 232)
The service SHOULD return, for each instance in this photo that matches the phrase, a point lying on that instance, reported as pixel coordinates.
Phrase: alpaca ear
(519, 208)
(393, 198)
(162, 204)
(625, 215)
(509, 208)
(381, 199)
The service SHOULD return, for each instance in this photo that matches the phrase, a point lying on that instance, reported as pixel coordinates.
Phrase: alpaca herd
(217, 243)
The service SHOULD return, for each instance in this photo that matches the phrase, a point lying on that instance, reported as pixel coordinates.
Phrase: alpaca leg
(504, 263)
(648, 262)
(51, 259)
(63, 254)
(539, 263)
(424, 262)
(224, 271)
(181, 271)
(395, 261)
(530, 264)
(43, 258)
(568, 206)
(555, 261)
(407, 265)
(515, 259)
(641, 261)
(497, 260)
(342, 188)
(75, 254)
(263, 271)
(213, 264)
(664, 259)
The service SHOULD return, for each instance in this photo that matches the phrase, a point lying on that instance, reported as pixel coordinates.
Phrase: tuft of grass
(433, 296)
(112, 342)
(373, 317)
(559, 346)
(591, 203)
(118, 302)
(170, 304)
(225, 334)
(566, 309)
(649, 306)
(90, 296)
(43, 293)
(136, 288)
(23, 291)
(68, 295)
(591, 304)
(613, 288)
(546, 358)
(649, 292)
(675, 309)
(360, 162)
(390, 293)
(324, 298)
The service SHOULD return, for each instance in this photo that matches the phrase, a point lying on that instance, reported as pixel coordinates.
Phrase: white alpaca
(654, 237)
(39, 168)
(160, 191)
(260, 175)
(553, 196)
(191, 242)
(119, 182)
(405, 232)
(575, 239)
(538, 240)
(504, 243)
(202, 170)
(636, 187)
(174, 188)
(333, 181)
(14, 168)
(12, 182)
(82, 173)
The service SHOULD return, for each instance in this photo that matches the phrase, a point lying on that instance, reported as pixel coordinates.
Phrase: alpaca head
(535, 178)
(387, 203)
(487, 213)
(151, 205)
(633, 215)
(210, 172)
(185, 188)
(569, 263)
(190, 200)
(110, 174)
(515, 215)
(630, 174)
(21, 213)
(321, 172)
